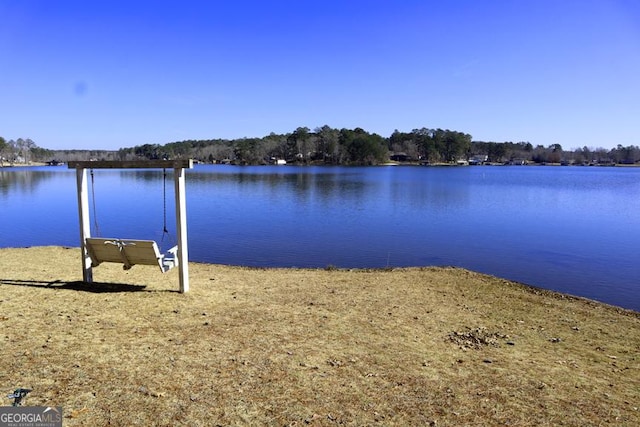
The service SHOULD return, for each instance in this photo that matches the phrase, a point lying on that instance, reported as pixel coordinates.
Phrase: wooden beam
(132, 164)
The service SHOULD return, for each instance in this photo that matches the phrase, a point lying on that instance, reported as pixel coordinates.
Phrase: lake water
(570, 229)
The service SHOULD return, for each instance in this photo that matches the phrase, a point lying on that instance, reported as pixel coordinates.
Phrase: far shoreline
(389, 163)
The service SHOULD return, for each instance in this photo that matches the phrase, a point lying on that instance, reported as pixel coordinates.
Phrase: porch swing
(130, 252)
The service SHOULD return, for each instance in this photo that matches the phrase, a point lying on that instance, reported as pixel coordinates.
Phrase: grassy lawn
(415, 346)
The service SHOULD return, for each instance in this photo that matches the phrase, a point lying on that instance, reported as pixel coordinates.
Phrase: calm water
(575, 230)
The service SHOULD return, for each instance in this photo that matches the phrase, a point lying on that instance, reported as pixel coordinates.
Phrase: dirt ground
(285, 347)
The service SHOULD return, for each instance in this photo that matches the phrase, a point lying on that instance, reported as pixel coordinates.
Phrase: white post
(85, 224)
(181, 227)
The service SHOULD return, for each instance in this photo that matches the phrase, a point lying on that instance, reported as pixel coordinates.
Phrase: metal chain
(96, 227)
(164, 200)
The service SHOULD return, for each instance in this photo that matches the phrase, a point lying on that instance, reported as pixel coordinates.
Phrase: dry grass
(422, 346)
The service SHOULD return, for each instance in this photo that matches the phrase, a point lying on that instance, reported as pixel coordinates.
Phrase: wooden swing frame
(130, 251)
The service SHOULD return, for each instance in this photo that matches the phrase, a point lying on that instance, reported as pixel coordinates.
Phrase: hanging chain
(164, 201)
(96, 227)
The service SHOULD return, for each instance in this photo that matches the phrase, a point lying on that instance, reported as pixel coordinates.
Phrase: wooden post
(181, 229)
(85, 224)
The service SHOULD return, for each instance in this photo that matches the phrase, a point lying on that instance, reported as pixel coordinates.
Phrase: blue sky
(112, 74)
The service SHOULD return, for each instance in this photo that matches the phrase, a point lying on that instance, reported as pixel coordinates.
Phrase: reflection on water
(570, 229)
(331, 184)
(22, 179)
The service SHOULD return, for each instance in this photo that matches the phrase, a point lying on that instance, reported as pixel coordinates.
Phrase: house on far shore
(278, 162)
(399, 157)
(478, 159)
(517, 161)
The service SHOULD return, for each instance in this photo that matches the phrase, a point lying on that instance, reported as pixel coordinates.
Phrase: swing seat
(130, 252)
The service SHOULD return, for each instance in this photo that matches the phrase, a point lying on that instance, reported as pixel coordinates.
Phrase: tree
(451, 144)
(21, 155)
(28, 146)
(3, 146)
(298, 144)
(497, 152)
(328, 144)
(425, 140)
(625, 155)
(180, 150)
(248, 151)
(147, 151)
(11, 151)
(41, 154)
(363, 148)
(400, 142)
(556, 153)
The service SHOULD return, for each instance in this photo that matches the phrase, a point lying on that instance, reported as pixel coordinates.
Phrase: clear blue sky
(110, 74)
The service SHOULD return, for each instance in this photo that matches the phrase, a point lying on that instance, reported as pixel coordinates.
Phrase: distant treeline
(326, 145)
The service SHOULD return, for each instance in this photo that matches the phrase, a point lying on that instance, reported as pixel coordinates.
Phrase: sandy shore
(418, 346)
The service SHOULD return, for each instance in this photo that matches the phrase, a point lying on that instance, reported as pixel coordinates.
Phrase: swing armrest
(169, 259)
